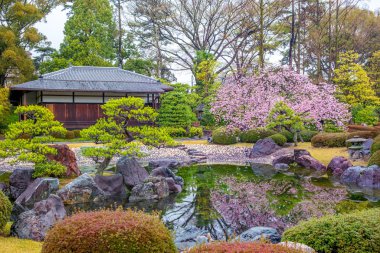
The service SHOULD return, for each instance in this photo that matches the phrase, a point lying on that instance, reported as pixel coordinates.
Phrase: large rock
(166, 172)
(34, 224)
(173, 187)
(257, 233)
(66, 157)
(153, 188)
(113, 185)
(338, 165)
(363, 177)
(283, 158)
(310, 162)
(264, 147)
(132, 172)
(40, 189)
(300, 152)
(83, 189)
(19, 181)
(299, 246)
(165, 163)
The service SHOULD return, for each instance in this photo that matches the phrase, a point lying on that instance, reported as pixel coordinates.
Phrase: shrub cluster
(374, 159)
(77, 133)
(253, 135)
(177, 132)
(109, 231)
(224, 136)
(329, 140)
(353, 232)
(70, 135)
(307, 135)
(279, 139)
(5, 210)
(243, 247)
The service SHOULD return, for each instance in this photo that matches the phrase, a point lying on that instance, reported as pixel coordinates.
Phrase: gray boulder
(40, 189)
(173, 187)
(19, 181)
(264, 147)
(133, 173)
(34, 224)
(165, 163)
(300, 152)
(113, 186)
(167, 173)
(257, 233)
(367, 147)
(363, 177)
(83, 189)
(283, 158)
(153, 188)
(338, 165)
(281, 166)
(310, 162)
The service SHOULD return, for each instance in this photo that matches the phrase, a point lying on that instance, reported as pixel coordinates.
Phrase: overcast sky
(52, 27)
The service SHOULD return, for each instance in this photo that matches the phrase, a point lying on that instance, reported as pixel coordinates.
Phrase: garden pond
(221, 201)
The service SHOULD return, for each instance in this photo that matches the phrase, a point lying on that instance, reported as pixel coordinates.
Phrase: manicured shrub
(367, 115)
(374, 159)
(196, 131)
(329, 140)
(176, 131)
(5, 210)
(353, 232)
(224, 136)
(307, 135)
(243, 247)
(279, 139)
(70, 135)
(253, 135)
(356, 128)
(375, 146)
(363, 134)
(77, 133)
(111, 232)
(288, 135)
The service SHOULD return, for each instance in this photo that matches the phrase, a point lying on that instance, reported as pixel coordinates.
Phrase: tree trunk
(120, 42)
(261, 36)
(102, 166)
(292, 35)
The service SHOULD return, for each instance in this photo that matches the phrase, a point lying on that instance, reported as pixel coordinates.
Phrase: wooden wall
(76, 116)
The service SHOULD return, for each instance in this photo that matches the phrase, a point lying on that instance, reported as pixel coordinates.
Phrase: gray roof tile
(94, 79)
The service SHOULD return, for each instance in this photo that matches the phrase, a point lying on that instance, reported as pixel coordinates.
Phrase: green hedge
(176, 131)
(307, 135)
(356, 232)
(374, 159)
(253, 135)
(375, 146)
(110, 231)
(196, 131)
(279, 139)
(5, 210)
(224, 137)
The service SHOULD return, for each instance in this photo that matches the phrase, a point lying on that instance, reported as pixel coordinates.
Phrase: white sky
(53, 25)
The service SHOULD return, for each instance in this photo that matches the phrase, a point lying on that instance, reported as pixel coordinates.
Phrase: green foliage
(110, 231)
(374, 159)
(27, 140)
(89, 37)
(77, 133)
(117, 133)
(70, 135)
(196, 131)
(375, 146)
(307, 135)
(354, 86)
(224, 136)
(356, 232)
(331, 127)
(175, 131)
(5, 109)
(282, 117)
(373, 70)
(253, 135)
(175, 110)
(141, 66)
(289, 136)
(5, 210)
(329, 140)
(279, 139)
(367, 115)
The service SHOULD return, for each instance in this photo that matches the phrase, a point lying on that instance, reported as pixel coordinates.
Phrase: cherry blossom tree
(245, 102)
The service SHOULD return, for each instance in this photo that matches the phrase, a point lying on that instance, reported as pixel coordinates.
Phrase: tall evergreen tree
(89, 37)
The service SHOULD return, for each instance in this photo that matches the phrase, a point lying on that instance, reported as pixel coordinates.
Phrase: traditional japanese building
(75, 94)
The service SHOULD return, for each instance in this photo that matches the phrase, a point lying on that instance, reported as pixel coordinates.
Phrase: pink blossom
(245, 102)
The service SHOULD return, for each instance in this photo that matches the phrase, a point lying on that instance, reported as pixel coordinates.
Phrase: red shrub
(111, 232)
(243, 247)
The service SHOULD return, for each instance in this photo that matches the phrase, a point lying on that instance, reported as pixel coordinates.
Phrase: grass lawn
(15, 245)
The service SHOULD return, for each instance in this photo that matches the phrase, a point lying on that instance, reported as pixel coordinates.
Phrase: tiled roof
(94, 79)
